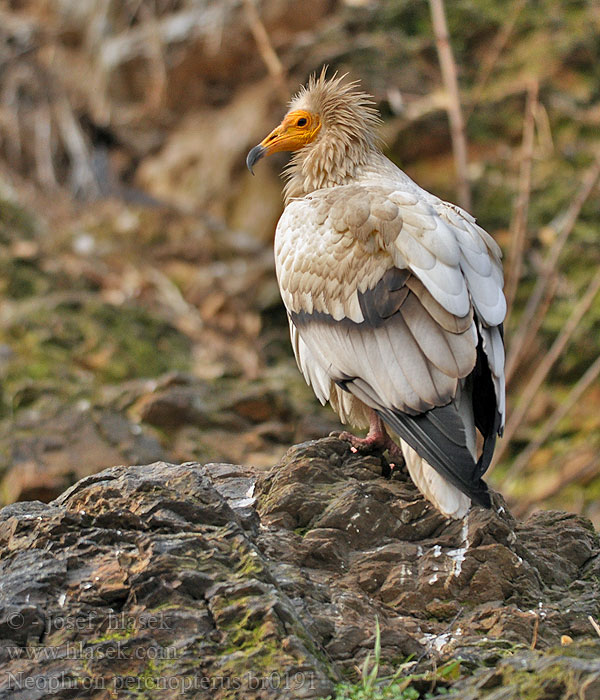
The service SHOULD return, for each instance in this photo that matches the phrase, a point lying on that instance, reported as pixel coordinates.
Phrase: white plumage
(394, 297)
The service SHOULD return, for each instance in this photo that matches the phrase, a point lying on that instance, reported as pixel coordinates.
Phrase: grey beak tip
(254, 156)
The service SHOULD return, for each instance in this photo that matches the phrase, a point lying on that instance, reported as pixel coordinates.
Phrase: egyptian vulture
(394, 297)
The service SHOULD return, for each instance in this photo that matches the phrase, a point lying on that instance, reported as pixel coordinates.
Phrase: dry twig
(585, 381)
(594, 624)
(518, 226)
(449, 76)
(173, 299)
(44, 166)
(491, 58)
(83, 180)
(536, 626)
(156, 54)
(586, 471)
(535, 323)
(547, 362)
(524, 335)
(265, 47)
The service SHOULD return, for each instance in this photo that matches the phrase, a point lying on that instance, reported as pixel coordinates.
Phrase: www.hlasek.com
(275, 681)
(81, 650)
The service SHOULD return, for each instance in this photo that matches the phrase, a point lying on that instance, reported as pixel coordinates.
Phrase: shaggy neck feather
(329, 161)
(345, 142)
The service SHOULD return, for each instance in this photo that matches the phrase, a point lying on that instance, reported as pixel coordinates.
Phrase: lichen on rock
(224, 581)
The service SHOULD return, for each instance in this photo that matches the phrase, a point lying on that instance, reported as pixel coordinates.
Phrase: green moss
(583, 649)
(532, 685)
(246, 634)
(143, 345)
(15, 221)
(118, 635)
(89, 343)
(150, 678)
(502, 648)
(149, 675)
(22, 278)
(251, 644)
(250, 565)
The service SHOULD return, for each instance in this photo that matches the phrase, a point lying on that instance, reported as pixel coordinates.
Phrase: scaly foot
(373, 442)
(377, 439)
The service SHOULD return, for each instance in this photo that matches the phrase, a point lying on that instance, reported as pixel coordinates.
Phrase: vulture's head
(330, 124)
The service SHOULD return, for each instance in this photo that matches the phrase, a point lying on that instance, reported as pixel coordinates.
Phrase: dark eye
(301, 122)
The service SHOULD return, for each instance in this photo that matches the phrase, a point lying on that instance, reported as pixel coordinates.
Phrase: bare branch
(449, 76)
(533, 326)
(200, 21)
(547, 363)
(184, 313)
(523, 337)
(536, 626)
(518, 226)
(582, 385)
(156, 54)
(594, 624)
(44, 166)
(83, 180)
(265, 47)
(582, 473)
(490, 59)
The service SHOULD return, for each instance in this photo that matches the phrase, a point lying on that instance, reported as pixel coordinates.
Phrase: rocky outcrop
(221, 581)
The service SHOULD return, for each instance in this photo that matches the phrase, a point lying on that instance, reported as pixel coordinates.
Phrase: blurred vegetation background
(140, 318)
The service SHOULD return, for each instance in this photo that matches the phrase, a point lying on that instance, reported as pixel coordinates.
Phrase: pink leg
(377, 438)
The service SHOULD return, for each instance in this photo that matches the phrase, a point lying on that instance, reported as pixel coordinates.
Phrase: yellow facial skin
(295, 131)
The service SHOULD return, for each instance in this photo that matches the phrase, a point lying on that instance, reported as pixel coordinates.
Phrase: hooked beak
(282, 138)
(296, 130)
(254, 156)
(268, 145)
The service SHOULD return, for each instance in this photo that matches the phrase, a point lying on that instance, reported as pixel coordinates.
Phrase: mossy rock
(85, 342)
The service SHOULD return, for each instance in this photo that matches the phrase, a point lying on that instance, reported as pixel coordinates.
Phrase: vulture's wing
(397, 304)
